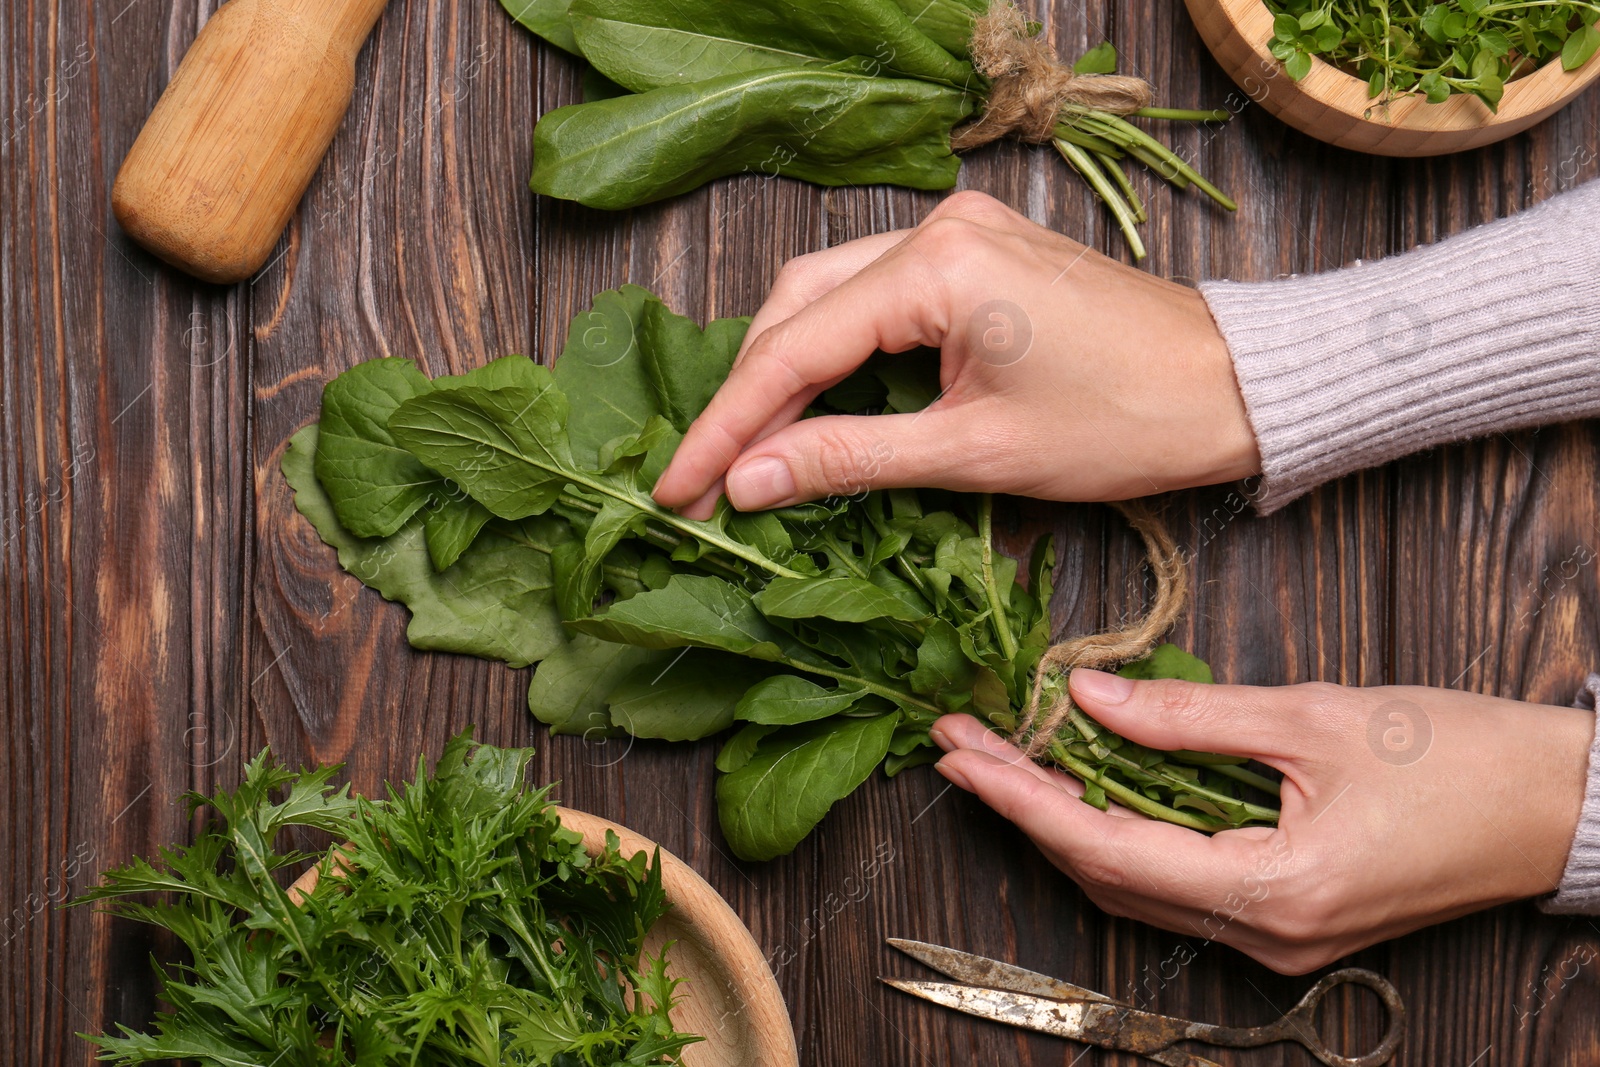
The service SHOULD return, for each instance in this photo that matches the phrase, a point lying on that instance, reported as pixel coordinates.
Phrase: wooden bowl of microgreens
(1422, 80)
(728, 995)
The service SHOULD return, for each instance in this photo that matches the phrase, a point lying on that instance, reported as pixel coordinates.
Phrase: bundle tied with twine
(1030, 87)
(1114, 648)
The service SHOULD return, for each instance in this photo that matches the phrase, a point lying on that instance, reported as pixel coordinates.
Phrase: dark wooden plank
(167, 614)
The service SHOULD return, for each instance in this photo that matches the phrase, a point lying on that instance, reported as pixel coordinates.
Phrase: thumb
(1271, 725)
(845, 455)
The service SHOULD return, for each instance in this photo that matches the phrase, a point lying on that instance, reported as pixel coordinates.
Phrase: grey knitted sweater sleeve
(1495, 329)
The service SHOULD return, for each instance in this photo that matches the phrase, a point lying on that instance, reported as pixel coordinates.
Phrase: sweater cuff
(1579, 891)
(1497, 328)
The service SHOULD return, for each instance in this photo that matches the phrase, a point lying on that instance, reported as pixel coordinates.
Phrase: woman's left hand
(1402, 806)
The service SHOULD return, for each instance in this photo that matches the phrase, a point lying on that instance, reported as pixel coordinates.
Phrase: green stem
(1138, 136)
(1181, 115)
(870, 686)
(997, 603)
(1085, 165)
(1128, 798)
(1248, 777)
(1120, 176)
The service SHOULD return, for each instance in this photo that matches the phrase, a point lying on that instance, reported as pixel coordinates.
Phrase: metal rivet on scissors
(1008, 994)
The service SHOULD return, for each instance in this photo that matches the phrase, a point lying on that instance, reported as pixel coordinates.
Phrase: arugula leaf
(768, 805)
(693, 696)
(787, 699)
(493, 603)
(572, 687)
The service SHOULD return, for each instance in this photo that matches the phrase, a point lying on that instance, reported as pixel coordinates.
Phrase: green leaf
(1101, 59)
(1579, 47)
(572, 687)
(1169, 661)
(693, 696)
(691, 610)
(644, 45)
(787, 699)
(737, 750)
(772, 802)
(495, 602)
(373, 484)
(507, 447)
(1285, 27)
(832, 127)
(546, 18)
(948, 23)
(1297, 66)
(841, 598)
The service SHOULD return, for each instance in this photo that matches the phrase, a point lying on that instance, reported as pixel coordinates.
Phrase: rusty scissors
(1008, 994)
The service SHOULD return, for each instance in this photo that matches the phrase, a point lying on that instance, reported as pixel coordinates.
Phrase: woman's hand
(1065, 375)
(1402, 806)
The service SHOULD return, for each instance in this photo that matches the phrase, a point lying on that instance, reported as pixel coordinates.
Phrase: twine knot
(1112, 649)
(1030, 86)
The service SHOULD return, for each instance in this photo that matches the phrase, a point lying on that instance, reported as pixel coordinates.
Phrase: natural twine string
(1030, 86)
(1110, 650)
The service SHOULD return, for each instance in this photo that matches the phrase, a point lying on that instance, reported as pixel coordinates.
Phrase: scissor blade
(980, 970)
(1063, 1018)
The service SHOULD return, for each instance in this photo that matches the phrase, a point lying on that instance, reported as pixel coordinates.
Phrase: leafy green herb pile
(844, 92)
(509, 508)
(463, 925)
(1437, 50)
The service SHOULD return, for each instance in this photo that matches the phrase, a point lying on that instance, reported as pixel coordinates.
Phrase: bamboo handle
(233, 142)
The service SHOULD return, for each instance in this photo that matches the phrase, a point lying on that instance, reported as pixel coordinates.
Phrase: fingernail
(940, 738)
(955, 776)
(1100, 687)
(760, 483)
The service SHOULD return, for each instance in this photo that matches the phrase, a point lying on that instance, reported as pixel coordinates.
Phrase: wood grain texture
(166, 613)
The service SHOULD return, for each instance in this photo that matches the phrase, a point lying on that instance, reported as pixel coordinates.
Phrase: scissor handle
(1299, 1024)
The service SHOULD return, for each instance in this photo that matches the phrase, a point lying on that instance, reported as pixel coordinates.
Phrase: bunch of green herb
(849, 93)
(460, 924)
(1436, 50)
(509, 508)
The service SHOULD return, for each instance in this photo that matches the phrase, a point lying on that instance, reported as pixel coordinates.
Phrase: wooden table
(167, 614)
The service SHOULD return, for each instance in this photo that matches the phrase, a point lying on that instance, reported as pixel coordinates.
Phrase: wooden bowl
(1333, 106)
(728, 995)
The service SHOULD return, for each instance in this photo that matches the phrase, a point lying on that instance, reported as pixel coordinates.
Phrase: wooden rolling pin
(233, 142)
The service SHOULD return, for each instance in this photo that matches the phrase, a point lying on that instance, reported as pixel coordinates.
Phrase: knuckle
(797, 272)
(970, 204)
(844, 462)
(1183, 706)
(948, 238)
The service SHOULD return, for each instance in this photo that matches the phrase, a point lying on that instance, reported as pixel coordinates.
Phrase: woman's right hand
(1064, 375)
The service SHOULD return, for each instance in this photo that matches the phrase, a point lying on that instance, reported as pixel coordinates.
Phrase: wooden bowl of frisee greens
(728, 995)
(1488, 90)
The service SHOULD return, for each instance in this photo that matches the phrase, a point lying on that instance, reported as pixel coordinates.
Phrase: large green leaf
(842, 598)
(373, 484)
(572, 687)
(645, 44)
(494, 603)
(787, 699)
(692, 610)
(507, 447)
(692, 696)
(833, 127)
(774, 799)
(547, 18)
(948, 23)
